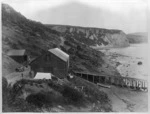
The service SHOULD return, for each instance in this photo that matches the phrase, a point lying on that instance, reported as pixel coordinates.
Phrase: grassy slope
(19, 32)
(9, 65)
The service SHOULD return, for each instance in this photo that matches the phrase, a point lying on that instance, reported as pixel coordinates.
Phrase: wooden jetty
(132, 83)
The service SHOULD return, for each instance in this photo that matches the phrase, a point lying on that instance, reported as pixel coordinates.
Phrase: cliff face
(93, 36)
(141, 37)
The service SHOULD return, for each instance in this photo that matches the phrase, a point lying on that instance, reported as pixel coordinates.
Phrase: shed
(54, 61)
(41, 75)
(19, 56)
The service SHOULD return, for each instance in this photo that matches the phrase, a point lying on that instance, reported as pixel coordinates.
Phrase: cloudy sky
(127, 15)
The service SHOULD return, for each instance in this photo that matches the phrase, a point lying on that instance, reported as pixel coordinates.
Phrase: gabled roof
(16, 52)
(41, 75)
(59, 53)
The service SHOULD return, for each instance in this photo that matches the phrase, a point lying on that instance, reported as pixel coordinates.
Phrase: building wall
(50, 63)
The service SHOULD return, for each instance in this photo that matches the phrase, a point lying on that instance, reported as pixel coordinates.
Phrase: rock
(139, 63)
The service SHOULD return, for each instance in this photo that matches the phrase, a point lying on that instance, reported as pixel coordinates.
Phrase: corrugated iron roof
(59, 53)
(16, 52)
(41, 75)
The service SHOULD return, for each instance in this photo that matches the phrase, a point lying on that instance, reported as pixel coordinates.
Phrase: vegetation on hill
(93, 36)
(21, 33)
(30, 96)
(137, 37)
(8, 65)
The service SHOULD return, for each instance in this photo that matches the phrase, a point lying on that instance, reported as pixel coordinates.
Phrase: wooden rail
(132, 83)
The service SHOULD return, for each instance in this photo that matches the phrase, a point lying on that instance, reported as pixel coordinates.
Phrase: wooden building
(19, 56)
(54, 61)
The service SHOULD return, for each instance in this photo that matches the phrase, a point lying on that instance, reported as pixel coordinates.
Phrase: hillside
(19, 32)
(8, 64)
(138, 37)
(98, 37)
(22, 93)
(54, 96)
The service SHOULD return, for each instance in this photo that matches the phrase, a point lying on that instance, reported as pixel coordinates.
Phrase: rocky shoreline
(128, 65)
(130, 62)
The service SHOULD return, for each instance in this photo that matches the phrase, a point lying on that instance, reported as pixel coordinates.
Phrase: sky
(127, 15)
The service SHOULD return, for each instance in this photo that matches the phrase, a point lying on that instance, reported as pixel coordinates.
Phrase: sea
(129, 57)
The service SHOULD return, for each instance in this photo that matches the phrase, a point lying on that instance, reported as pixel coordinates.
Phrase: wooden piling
(134, 84)
(125, 82)
(142, 84)
(138, 85)
(146, 86)
(128, 83)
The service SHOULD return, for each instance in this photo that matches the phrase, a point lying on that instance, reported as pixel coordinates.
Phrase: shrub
(72, 94)
(37, 99)
(45, 99)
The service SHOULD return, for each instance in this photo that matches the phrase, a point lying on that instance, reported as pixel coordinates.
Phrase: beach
(130, 61)
(126, 60)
